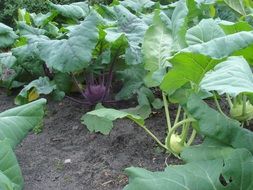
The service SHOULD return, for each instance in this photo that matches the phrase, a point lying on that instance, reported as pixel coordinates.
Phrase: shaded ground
(97, 161)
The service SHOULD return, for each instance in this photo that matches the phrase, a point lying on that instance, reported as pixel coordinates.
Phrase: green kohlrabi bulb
(236, 112)
(175, 143)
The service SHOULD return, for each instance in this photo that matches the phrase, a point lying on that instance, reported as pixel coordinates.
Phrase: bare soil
(97, 162)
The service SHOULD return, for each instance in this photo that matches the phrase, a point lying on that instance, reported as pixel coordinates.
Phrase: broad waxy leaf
(157, 47)
(10, 173)
(179, 25)
(219, 128)
(15, 123)
(35, 88)
(187, 67)
(138, 5)
(74, 53)
(193, 176)
(232, 76)
(232, 28)
(133, 28)
(7, 59)
(237, 5)
(101, 120)
(7, 36)
(133, 80)
(205, 31)
(75, 10)
(14, 126)
(222, 47)
(236, 170)
(25, 29)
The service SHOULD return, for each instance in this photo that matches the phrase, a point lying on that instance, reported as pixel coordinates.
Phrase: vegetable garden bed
(178, 72)
(97, 161)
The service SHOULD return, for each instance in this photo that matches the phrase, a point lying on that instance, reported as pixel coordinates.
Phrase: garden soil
(66, 156)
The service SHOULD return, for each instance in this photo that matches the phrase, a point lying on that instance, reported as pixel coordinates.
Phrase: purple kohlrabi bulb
(95, 93)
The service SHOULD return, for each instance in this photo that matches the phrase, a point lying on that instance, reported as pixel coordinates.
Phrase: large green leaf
(222, 47)
(75, 10)
(7, 36)
(132, 78)
(205, 31)
(101, 120)
(15, 123)
(157, 47)
(74, 53)
(193, 176)
(187, 67)
(179, 25)
(236, 5)
(138, 5)
(35, 88)
(233, 172)
(232, 28)
(10, 173)
(219, 127)
(133, 28)
(14, 126)
(7, 59)
(232, 76)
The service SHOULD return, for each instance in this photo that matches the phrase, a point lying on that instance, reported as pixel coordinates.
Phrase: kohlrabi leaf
(7, 36)
(7, 59)
(230, 173)
(218, 127)
(132, 78)
(223, 47)
(203, 32)
(10, 173)
(74, 53)
(232, 28)
(232, 76)
(179, 25)
(236, 5)
(138, 5)
(192, 176)
(209, 150)
(133, 28)
(75, 10)
(187, 67)
(101, 120)
(34, 89)
(25, 29)
(157, 47)
(14, 126)
(17, 122)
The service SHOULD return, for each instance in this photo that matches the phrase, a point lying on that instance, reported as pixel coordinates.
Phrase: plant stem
(153, 136)
(217, 104)
(175, 127)
(167, 113)
(178, 115)
(244, 104)
(184, 132)
(77, 85)
(77, 101)
(110, 76)
(193, 135)
(230, 103)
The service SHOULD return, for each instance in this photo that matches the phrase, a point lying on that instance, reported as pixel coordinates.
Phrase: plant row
(180, 54)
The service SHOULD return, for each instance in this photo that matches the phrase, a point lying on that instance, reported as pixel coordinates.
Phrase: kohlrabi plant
(14, 126)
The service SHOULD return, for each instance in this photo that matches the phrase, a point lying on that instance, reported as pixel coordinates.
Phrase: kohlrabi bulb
(236, 112)
(175, 143)
(95, 93)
